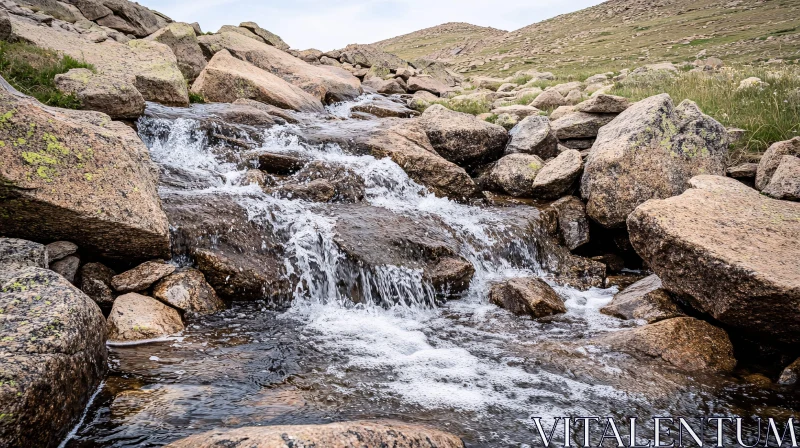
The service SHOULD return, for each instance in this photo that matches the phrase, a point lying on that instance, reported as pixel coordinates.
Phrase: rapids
(398, 352)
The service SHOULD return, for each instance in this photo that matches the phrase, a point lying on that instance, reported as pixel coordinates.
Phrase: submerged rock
(78, 176)
(461, 138)
(324, 182)
(646, 300)
(52, 342)
(791, 374)
(650, 151)
(346, 434)
(141, 277)
(527, 296)
(135, 317)
(729, 251)
(188, 291)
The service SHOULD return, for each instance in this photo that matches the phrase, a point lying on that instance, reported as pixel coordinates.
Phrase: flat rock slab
(142, 276)
(730, 251)
(646, 300)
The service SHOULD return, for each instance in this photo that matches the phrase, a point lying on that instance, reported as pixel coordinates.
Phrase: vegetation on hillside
(32, 70)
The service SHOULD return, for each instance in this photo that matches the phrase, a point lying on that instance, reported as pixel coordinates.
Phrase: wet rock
(141, 277)
(280, 164)
(325, 182)
(345, 434)
(53, 347)
(558, 175)
(791, 374)
(182, 39)
(580, 125)
(60, 249)
(227, 79)
(527, 296)
(239, 257)
(721, 235)
(604, 104)
(743, 171)
(95, 282)
(649, 151)
(573, 225)
(375, 237)
(268, 37)
(109, 95)
(461, 138)
(188, 291)
(16, 254)
(686, 343)
(533, 135)
(328, 84)
(645, 300)
(515, 174)
(418, 83)
(78, 176)
(135, 317)
(772, 159)
(381, 107)
(67, 267)
(785, 182)
(549, 99)
(614, 263)
(269, 109)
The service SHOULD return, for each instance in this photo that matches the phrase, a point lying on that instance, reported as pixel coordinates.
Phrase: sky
(332, 24)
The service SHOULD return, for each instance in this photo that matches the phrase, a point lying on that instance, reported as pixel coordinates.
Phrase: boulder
(311, 55)
(573, 97)
(649, 151)
(226, 79)
(95, 282)
(772, 159)
(324, 182)
(791, 374)
(461, 138)
(182, 39)
(280, 163)
(580, 125)
(428, 84)
(743, 171)
(688, 344)
(405, 72)
(565, 88)
(533, 135)
(78, 176)
(381, 107)
(16, 254)
(527, 296)
(558, 175)
(326, 83)
(644, 300)
(369, 56)
(268, 37)
(518, 110)
(141, 277)
(149, 66)
(549, 99)
(102, 93)
(188, 291)
(91, 9)
(604, 104)
(55, 9)
(515, 174)
(573, 225)
(561, 111)
(67, 267)
(135, 317)
(60, 249)
(728, 251)
(345, 434)
(506, 121)
(52, 342)
(385, 86)
(785, 182)
(269, 109)
(130, 18)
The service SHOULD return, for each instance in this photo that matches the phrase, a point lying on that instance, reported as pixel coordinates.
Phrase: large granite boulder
(604, 104)
(78, 176)
(52, 357)
(533, 135)
(427, 84)
(369, 56)
(346, 434)
(128, 17)
(772, 159)
(181, 38)
(558, 175)
(462, 138)
(649, 151)
(646, 300)
(729, 251)
(515, 174)
(327, 83)
(688, 344)
(135, 317)
(102, 93)
(227, 79)
(268, 37)
(580, 125)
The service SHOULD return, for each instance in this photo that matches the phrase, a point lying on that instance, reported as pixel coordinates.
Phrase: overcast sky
(332, 24)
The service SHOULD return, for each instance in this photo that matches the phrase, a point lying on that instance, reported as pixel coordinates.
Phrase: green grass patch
(472, 107)
(31, 70)
(697, 42)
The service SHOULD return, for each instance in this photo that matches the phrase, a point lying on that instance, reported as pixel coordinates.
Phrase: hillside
(618, 34)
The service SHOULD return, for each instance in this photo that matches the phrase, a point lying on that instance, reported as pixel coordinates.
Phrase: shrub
(32, 70)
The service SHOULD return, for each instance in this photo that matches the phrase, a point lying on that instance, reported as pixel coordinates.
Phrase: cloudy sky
(332, 24)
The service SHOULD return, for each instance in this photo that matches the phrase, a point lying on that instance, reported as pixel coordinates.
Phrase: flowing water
(464, 366)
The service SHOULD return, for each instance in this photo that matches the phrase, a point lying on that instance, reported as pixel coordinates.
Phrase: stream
(396, 352)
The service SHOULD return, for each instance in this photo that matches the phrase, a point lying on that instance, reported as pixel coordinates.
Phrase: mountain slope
(620, 33)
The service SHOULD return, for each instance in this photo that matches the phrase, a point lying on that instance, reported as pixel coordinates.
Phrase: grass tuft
(31, 70)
